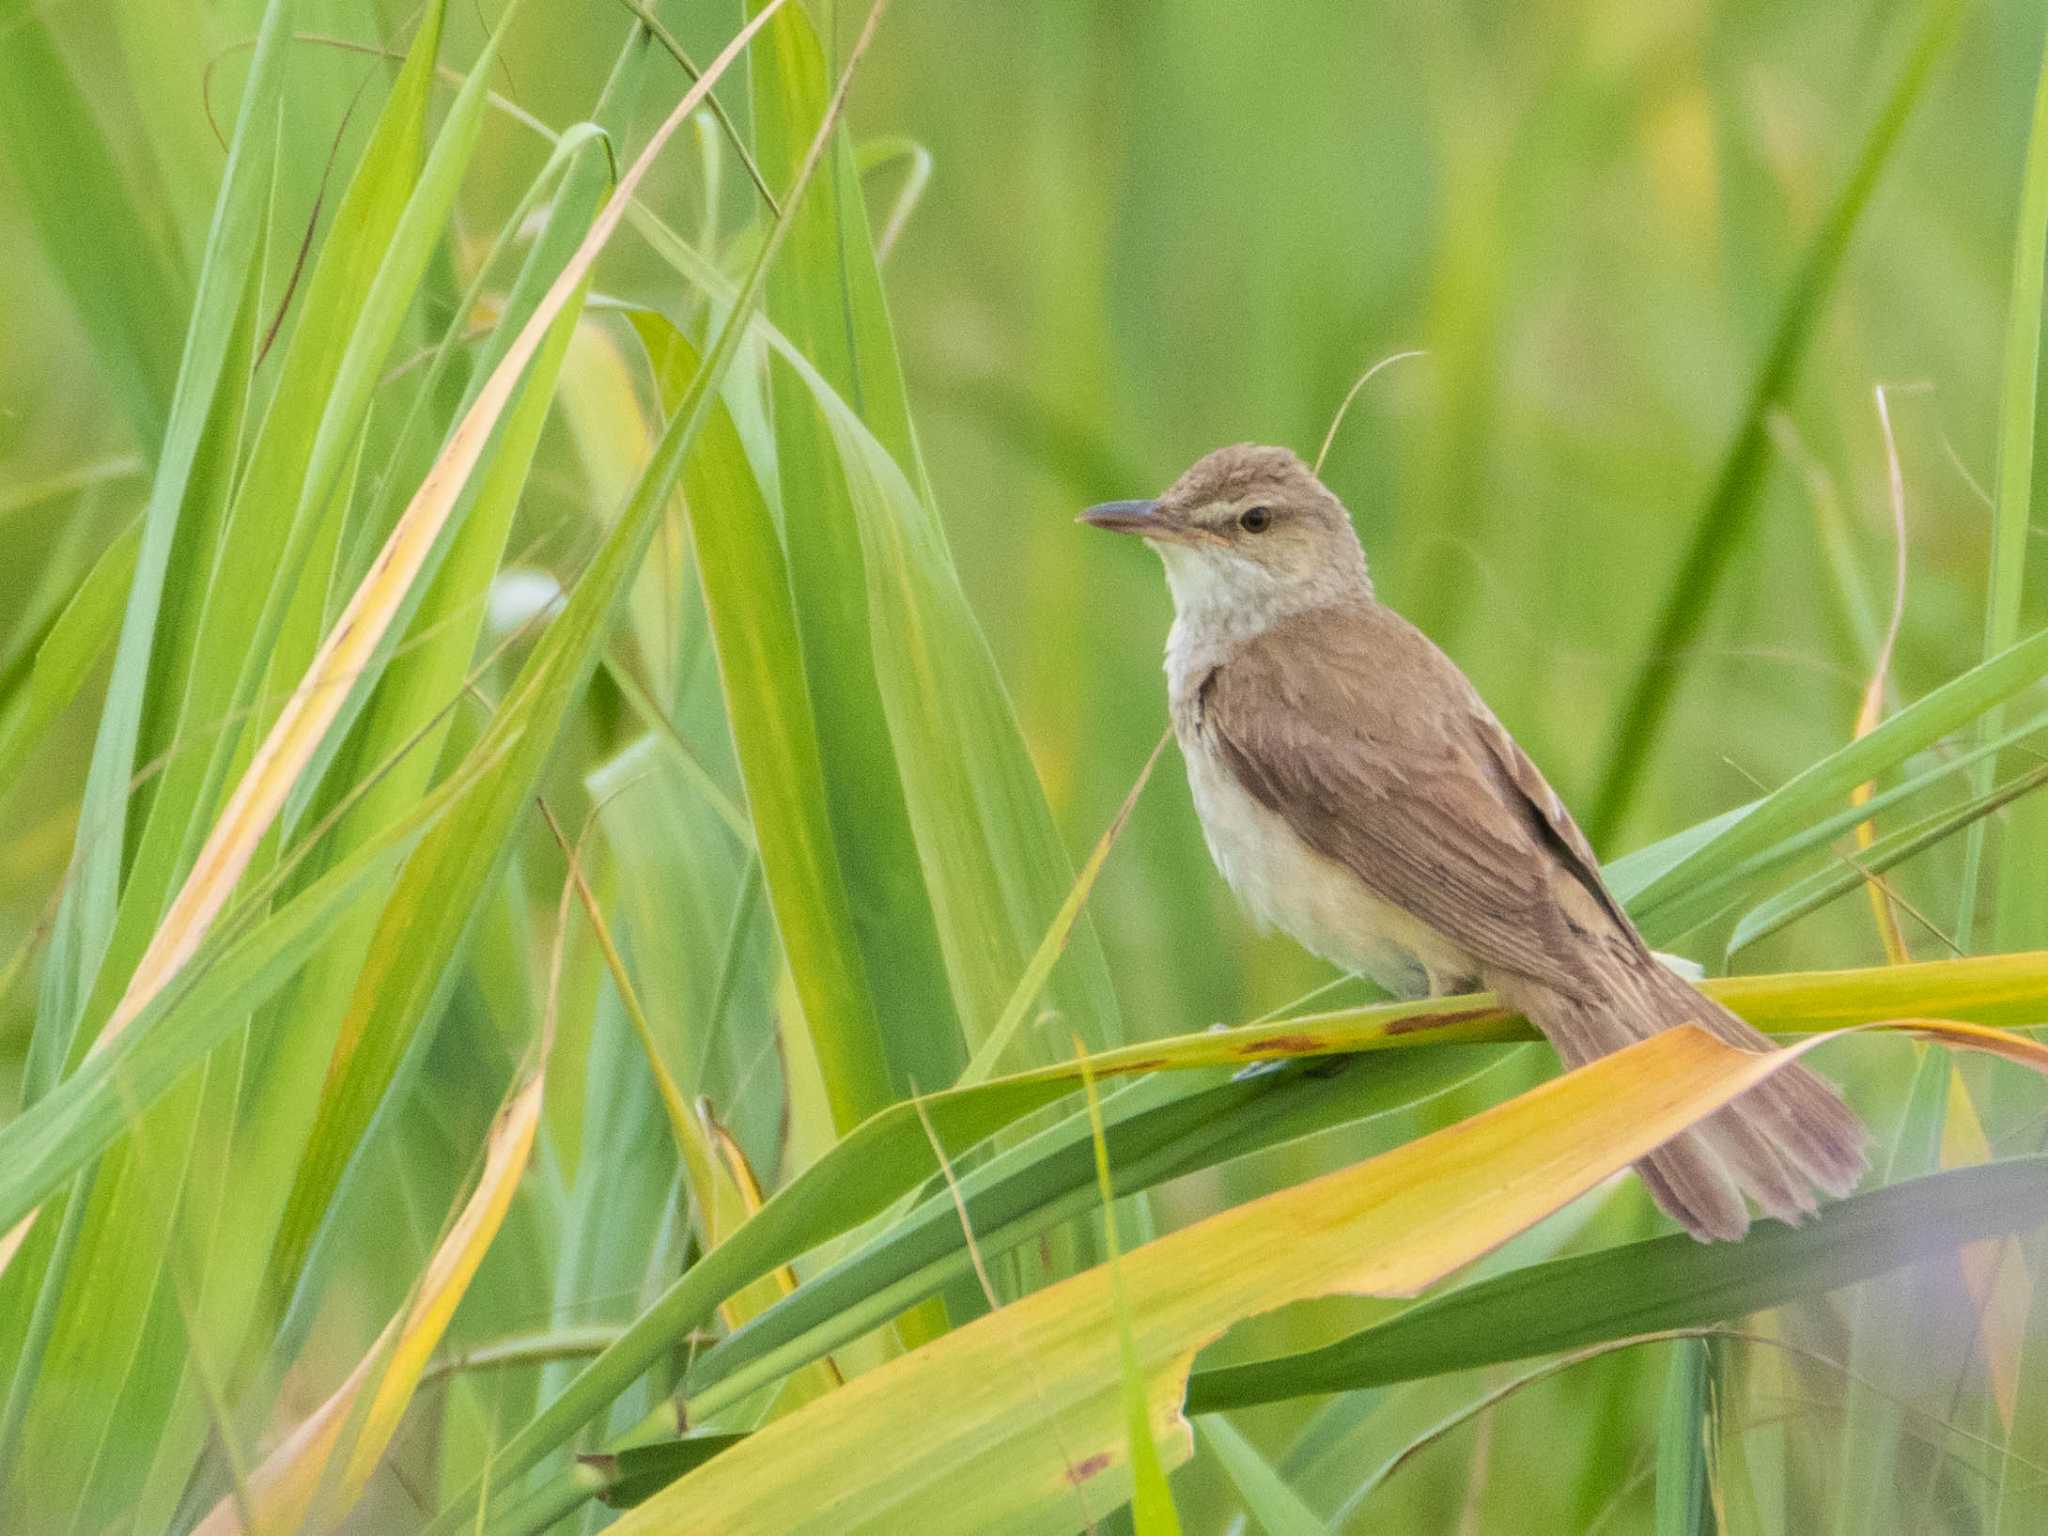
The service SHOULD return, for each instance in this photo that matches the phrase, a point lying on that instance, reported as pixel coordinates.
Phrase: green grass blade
(1159, 1128)
(1152, 1508)
(1823, 886)
(1822, 789)
(251, 955)
(69, 651)
(98, 234)
(1685, 1440)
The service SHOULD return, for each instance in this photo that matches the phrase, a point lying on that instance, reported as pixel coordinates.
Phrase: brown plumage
(1357, 792)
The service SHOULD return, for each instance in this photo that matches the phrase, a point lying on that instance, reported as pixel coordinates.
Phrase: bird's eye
(1254, 519)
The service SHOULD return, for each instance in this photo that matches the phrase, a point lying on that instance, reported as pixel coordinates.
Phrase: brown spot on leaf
(1301, 1044)
(1417, 1022)
(1081, 1471)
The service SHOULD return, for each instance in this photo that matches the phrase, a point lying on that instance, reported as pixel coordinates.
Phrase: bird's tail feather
(1777, 1144)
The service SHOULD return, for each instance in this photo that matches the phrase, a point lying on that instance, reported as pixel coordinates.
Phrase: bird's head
(1248, 532)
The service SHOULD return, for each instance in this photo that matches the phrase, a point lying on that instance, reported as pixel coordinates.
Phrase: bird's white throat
(1219, 603)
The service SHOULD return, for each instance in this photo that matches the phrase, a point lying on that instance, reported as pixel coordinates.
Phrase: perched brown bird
(1357, 793)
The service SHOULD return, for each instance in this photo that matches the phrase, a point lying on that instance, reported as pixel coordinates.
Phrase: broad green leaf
(809, 299)
(754, 629)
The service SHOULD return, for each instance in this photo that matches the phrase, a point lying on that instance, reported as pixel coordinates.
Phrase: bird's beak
(1139, 517)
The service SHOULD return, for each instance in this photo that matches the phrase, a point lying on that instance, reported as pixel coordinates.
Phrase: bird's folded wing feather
(1376, 751)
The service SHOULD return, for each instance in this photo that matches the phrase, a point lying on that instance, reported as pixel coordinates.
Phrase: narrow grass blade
(247, 959)
(990, 1052)
(1152, 1508)
(318, 1471)
(1276, 1507)
(86, 917)
(1683, 891)
(69, 652)
(1685, 1443)
(1874, 858)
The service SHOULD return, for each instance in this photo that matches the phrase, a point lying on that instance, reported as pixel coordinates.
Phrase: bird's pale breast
(1317, 902)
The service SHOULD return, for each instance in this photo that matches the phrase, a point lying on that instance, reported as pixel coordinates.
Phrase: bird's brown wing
(1375, 749)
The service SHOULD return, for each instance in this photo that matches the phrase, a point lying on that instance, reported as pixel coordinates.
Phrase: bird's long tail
(1777, 1144)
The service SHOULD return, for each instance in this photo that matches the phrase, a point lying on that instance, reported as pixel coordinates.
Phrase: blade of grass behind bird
(1686, 1432)
(1824, 885)
(1717, 891)
(1673, 898)
(1274, 1506)
(69, 652)
(1731, 504)
(1872, 1499)
(1152, 1507)
(2022, 908)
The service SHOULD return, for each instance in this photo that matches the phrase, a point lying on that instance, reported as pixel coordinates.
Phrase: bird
(1357, 793)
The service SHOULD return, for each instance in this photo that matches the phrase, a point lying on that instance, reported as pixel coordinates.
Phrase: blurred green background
(1150, 229)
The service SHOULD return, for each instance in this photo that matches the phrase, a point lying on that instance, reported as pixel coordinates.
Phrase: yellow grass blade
(286, 1491)
(1994, 1270)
